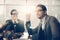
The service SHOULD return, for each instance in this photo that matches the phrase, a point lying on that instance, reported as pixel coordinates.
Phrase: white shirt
(43, 23)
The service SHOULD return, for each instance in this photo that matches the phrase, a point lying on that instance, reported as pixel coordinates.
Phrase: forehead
(38, 8)
(14, 12)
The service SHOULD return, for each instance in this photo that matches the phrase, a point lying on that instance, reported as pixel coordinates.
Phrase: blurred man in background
(48, 28)
(13, 27)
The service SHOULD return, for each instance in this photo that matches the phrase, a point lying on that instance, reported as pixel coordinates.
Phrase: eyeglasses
(14, 13)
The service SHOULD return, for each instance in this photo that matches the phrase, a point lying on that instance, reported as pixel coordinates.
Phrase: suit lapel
(46, 21)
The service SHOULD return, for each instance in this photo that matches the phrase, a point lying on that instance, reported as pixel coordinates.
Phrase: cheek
(39, 14)
(14, 16)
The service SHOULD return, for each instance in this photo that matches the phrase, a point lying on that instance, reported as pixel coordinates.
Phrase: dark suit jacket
(51, 31)
(15, 27)
(10, 26)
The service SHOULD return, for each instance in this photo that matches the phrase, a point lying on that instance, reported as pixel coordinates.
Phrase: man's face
(40, 13)
(14, 15)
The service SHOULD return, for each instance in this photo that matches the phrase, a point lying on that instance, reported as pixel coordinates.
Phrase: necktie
(40, 26)
(14, 26)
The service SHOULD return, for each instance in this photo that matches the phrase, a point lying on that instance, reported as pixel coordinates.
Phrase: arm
(28, 24)
(5, 28)
(30, 30)
(5, 25)
(55, 27)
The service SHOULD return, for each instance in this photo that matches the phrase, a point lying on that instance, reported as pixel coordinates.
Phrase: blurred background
(28, 6)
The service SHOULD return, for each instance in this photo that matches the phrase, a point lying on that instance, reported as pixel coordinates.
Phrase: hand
(21, 33)
(30, 37)
(28, 16)
(0, 26)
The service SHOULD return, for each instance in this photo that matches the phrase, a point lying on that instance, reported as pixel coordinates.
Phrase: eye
(40, 10)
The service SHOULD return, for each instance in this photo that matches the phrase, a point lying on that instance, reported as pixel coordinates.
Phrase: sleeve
(5, 26)
(30, 30)
(55, 28)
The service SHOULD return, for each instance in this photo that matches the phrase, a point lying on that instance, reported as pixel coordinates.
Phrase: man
(13, 27)
(48, 28)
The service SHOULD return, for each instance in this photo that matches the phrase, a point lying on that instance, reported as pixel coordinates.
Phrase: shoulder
(20, 21)
(51, 18)
(8, 21)
(54, 19)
